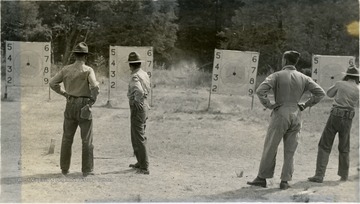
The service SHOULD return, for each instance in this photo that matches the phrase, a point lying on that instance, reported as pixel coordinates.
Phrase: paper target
(327, 69)
(119, 70)
(28, 63)
(234, 72)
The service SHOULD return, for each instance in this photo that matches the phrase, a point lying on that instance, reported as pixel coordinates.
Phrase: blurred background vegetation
(184, 33)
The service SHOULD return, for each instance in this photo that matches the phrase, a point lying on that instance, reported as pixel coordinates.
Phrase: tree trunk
(69, 45)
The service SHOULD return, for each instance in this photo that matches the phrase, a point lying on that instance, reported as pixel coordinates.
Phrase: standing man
(346, 98)
(139, 88)
(288, 85)
(81, 91)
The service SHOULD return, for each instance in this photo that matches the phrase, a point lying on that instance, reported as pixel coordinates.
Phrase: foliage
(20, 22)
(310, 27)
(199, 22)
(187, 30)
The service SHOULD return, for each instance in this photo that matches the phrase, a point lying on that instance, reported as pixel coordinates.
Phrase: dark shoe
(284, 185)
(85, 174)
(343, 178)
(316, 179)
(64, 172)
(135, 166)
(143, 171)
(258, 182)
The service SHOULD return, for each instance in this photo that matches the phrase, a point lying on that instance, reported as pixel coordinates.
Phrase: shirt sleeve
(317, 93)
(137, 89)
(55, 83)
(92, 79)
(331, 92)
(94, 85)
(264, 88)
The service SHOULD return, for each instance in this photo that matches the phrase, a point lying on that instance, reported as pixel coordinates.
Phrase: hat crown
(134, 57)
(81, 48)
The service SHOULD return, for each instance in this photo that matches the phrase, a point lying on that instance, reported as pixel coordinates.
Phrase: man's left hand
(139, 105)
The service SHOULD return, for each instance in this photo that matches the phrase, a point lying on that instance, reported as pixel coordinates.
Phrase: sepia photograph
(127, 101)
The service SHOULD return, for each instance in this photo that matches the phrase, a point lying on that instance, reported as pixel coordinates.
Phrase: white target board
(326, 69)
(28, 63)
(234, 72)
(119, 70)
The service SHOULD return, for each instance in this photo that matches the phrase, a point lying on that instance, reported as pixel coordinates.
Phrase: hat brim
(350, 74)
(137, 61)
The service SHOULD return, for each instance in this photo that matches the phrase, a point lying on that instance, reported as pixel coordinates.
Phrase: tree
(20, 22)
(71, 22)
(138, 23)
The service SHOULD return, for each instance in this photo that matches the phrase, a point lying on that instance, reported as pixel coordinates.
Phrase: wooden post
(52, 147)
(209, 100)
(5, 95)
(252, 101)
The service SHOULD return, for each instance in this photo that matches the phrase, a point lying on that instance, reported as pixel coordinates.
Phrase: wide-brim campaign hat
(134, 57)
(352, 71)
(81, 48)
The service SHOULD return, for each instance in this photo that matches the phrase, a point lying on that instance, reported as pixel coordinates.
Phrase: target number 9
(251, 91)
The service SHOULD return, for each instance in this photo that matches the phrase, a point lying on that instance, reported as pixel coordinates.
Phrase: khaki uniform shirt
(345, 93)
(289, 85)
(78, 80)
(139, 86)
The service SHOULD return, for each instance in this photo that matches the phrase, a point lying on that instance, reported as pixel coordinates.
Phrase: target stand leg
(5, 94)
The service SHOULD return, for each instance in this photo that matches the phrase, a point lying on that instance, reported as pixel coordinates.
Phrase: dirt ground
(196, 155)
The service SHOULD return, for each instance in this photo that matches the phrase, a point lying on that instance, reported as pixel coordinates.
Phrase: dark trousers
(138, 124)
(342, 126)
(71, 121)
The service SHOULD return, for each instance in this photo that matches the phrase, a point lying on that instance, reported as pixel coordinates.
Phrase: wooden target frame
(119, 70)
(234, 72)
(27, 64)
(327, 69)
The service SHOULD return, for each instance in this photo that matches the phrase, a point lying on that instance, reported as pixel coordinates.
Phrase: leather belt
(343, 113)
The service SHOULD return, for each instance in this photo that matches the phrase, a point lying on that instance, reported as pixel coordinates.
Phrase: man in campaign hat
(346, 99)
(288, 85)
(80, 90)
(139, 88)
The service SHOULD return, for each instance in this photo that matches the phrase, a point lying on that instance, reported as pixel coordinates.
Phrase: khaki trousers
(285, 123)
(138, 139)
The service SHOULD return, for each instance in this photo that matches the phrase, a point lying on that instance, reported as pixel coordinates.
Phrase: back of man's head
(291, 57)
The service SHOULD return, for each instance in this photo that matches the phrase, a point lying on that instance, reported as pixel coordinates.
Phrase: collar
(289, 67)
(135, 70)
(81, 62)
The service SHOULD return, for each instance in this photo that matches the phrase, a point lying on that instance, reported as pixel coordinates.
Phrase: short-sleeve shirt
(289, 85)
(77, 78)
(345, 94)
(139, 86)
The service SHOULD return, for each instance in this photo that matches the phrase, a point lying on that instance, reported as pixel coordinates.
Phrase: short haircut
(292, 57)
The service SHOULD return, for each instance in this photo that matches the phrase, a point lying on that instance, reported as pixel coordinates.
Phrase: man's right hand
(301, 106)
(66, 95)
